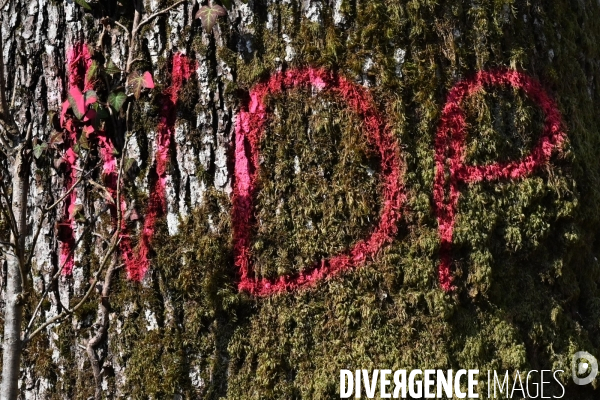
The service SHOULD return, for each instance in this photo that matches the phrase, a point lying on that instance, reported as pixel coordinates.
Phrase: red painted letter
(450, 152)
(248, 132)
(137, 264)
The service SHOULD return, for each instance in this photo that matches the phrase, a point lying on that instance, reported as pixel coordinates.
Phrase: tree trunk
(13, 305)
(524, 267)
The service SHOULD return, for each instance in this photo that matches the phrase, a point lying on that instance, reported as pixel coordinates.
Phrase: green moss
(191, 298)
(321, 192)
(516, 243)
(527, 270)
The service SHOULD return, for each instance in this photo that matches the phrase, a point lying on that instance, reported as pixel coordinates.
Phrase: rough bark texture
(13, 300)
(527, 271)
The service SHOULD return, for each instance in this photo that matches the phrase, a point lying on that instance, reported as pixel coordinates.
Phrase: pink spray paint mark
(137, 264)
(450, 147)
(248, 133)
(110, 176)
(450, 151)
(78, 62)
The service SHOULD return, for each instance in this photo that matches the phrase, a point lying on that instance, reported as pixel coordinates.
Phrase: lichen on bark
(526, 251)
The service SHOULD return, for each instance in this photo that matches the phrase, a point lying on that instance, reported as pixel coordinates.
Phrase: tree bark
(13, 308)
(185, 331)
(36, 38)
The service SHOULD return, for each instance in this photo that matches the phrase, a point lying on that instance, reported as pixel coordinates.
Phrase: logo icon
(581, 367)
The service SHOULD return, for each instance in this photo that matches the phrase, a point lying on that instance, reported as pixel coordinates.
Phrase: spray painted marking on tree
(450, 151)
(450, 146)
(248, 133)
(137, 264)
(78, 62)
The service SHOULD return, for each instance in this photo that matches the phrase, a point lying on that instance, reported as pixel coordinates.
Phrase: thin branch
(138, 23)
(47, 290)
(58, 272)
(64, 196)
(132, 48)
(104, 311)
(104, 307)
(100, 237)
(48, 209)
(104, 190)
(120, 25)
(156, 14)
(58, 318)
(137, 60)
(11, 215)
(64, 314)
(101, 37)
(121, 163)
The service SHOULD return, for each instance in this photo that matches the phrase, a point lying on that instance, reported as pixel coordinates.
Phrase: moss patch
(526, 251)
